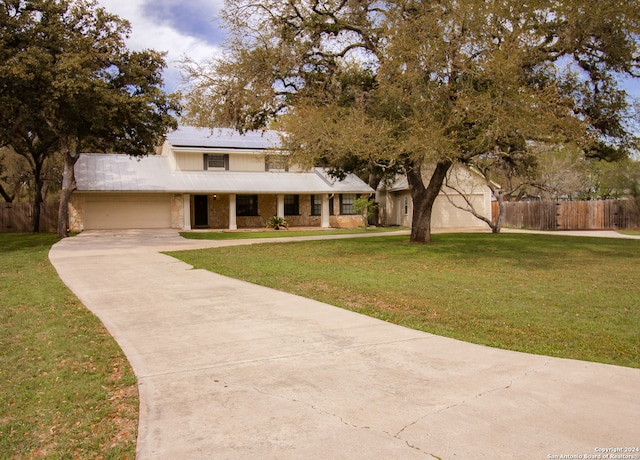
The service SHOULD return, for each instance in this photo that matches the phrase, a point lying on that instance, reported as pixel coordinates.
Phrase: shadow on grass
(11, 242)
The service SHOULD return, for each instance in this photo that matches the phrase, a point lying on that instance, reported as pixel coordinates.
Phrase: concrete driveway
(230, 370)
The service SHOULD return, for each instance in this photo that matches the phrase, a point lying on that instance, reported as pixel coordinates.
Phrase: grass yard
(560, 296)
(66, 389)
(249, 234)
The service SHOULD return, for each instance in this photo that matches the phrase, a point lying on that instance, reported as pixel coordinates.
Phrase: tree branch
(469, 208)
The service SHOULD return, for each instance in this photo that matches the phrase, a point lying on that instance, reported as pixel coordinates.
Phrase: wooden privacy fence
(571, 215)
(16, 217)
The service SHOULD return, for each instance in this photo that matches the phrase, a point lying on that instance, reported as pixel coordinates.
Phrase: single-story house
(202, 178)
(396, 206)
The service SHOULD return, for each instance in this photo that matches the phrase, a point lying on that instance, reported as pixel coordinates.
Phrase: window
(216, 162)
(276, 163)
(347, 204)
(247, 205)
(316, 205)
(406, 206)
(291, 205)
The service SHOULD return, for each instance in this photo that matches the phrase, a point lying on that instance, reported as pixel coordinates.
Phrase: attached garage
(449, 207)
(105, 212)
(117, 192)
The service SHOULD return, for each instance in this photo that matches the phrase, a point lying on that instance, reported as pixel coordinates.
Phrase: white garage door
(127, 211)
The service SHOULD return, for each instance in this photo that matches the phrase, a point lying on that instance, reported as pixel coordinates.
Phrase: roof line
(319, 171)
(209, 147)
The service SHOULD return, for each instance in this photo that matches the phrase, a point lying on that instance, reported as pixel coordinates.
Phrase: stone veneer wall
(177, 212)
(348, 221)
(304, 219)
(267, 207)
(76, 213)
(219, 211)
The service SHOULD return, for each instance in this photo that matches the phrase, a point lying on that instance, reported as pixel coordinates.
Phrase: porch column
(324, 213)
(232, 212)
(280, 206)
(186, 211)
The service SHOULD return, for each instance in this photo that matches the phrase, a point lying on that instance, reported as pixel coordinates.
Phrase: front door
(200, 211)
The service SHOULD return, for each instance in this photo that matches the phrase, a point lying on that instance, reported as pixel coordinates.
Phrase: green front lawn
(249, 234)
(559, 296)
(66, 389)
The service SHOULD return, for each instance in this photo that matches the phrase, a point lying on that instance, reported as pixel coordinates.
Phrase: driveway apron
(230, 370)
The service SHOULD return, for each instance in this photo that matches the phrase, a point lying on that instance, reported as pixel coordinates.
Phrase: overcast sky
(189, 28)
(179, 27)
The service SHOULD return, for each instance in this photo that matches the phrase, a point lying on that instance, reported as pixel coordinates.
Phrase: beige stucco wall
(394, 211)
(444, 214)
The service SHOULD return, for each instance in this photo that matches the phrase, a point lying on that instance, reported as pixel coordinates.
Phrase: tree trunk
(7, 198)
(374, 181)
(497, 226)
(37, 197)
(423, 198)
(68, 187)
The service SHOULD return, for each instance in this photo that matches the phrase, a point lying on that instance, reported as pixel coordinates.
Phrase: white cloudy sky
(189, 28)
(179, 27)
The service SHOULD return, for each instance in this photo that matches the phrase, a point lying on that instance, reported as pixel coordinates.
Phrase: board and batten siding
(194, 161)
(250, 163)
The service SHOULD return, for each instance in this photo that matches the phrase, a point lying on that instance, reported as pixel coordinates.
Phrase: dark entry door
(201, 210)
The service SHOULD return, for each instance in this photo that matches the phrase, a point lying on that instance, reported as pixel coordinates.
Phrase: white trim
(324, 219)
(186, 206)
(232, 212)
(280, 206)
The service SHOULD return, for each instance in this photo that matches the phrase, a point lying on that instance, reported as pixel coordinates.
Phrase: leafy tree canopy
(423, 83)
(68, 84)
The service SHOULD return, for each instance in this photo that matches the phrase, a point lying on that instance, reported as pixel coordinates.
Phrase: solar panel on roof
(188, 136)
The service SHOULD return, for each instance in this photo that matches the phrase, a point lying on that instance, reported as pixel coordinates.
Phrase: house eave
(114, 173)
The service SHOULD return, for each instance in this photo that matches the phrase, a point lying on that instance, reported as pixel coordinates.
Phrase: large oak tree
(68, 84)
(423, 84)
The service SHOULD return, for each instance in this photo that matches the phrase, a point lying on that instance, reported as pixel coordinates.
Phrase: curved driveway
(230, 370)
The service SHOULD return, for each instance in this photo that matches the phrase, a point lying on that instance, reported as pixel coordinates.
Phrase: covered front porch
(234, 211)
(115, 192)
